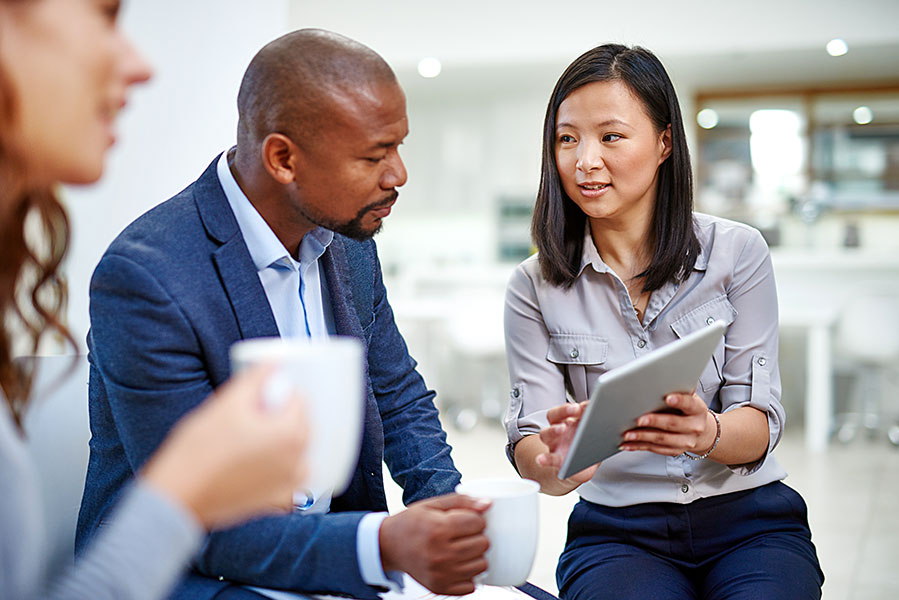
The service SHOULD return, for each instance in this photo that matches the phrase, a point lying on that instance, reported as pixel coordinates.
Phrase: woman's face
(608, 152)
(69, 69)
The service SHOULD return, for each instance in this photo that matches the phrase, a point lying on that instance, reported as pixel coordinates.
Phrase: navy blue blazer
(167, 300)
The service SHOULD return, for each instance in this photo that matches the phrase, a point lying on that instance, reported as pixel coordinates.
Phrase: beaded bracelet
(714, 445)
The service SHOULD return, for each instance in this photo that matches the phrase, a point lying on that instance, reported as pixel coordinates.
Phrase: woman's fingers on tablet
(550, 435)
(548, 459)
(566, 411)
(688, 404)
(674, 449)
(659, 441)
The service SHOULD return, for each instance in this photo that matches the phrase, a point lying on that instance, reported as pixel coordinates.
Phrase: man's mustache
(381, 203)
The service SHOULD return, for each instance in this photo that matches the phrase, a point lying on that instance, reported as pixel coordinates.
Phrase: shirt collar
(264, 246)
(702, 259)
(590, 255)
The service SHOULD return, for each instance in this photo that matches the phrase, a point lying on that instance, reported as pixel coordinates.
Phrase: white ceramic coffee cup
(327, 373)
(511, 527)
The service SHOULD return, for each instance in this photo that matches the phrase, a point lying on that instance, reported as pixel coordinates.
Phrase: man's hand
(440, 542)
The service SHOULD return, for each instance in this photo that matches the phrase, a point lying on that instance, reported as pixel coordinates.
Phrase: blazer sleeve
(152, 365)
(415, 447)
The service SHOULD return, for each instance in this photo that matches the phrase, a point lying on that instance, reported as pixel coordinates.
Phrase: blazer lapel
(232, 259)
(337, 275)
(363, 492)
(245, 291)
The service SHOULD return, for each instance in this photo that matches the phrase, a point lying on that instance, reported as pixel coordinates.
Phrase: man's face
(350, 170)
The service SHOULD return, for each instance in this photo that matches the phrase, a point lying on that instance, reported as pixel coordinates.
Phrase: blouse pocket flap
(717, 309)
(577, 349)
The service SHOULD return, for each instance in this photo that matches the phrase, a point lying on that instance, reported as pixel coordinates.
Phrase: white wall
(475, 130)
(174, 125)
(466, 32)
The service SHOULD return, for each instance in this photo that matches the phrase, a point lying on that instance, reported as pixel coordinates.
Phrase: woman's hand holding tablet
(624, 395)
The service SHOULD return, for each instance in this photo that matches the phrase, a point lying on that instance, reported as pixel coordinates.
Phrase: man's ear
(665, 141)
(281, 157)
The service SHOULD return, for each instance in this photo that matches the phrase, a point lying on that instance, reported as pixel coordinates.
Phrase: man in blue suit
(274, 238)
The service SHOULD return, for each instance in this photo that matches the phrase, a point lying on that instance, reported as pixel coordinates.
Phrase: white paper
(415, 591)
(412, 590)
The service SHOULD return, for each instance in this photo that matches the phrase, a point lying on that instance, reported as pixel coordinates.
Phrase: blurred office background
(792, 110)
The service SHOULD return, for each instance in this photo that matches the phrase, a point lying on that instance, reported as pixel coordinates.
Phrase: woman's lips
(594, 190)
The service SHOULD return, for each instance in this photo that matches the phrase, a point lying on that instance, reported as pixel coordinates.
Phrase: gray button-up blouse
(558, 341)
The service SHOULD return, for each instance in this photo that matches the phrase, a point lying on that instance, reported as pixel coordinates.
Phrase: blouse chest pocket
(575, 353)
(717, 309)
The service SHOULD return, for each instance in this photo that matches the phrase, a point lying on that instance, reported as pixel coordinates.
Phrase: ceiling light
(863, 115)
(429, 67)
(707, 118)
(837, 47)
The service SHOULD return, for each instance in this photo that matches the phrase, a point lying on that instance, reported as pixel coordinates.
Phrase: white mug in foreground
(511, 527)
(327, 373)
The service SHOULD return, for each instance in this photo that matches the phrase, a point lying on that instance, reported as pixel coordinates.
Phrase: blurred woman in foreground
(64, 73)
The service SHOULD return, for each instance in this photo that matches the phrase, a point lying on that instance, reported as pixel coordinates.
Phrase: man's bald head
(293, 83)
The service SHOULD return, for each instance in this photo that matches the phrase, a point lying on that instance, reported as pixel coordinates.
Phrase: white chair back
(58, 431)
(868, 328)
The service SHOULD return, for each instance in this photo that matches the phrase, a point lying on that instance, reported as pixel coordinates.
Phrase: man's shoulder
(166, 229)
(170, 230)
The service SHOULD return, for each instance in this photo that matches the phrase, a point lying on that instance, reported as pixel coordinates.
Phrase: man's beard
(353, 228)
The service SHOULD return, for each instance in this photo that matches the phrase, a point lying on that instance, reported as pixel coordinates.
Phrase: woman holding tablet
(693, 506)
(65, 69)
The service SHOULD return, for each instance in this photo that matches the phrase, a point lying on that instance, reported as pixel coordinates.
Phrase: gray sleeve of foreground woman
(139, 554)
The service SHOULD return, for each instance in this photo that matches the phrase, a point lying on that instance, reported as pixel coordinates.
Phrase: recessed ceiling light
(429, 67)
(837, 47)
(707, 118)
(863, 115)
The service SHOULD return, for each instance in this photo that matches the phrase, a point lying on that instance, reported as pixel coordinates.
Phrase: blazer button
(515, 393)
(574, 353)
(641, 344)
(762, 361)
(221, 577)
(709, 321)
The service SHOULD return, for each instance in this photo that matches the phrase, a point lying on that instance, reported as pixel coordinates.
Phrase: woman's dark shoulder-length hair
(558, 223)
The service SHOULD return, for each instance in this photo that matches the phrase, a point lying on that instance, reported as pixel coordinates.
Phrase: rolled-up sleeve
(750, 374)
(536, 383)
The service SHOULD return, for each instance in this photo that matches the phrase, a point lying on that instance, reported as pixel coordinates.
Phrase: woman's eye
(374, 159)
(565, 138)
(611, 137)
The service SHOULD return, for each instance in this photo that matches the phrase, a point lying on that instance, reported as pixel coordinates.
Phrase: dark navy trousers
(753, 544)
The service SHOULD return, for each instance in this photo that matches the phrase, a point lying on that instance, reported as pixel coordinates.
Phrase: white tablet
(624, 394)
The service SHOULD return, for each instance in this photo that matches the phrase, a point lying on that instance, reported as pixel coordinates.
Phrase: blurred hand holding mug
(328, 374)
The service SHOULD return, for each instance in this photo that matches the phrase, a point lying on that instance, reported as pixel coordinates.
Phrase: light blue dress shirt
(302, 307)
